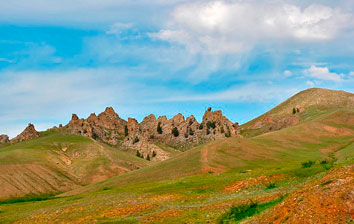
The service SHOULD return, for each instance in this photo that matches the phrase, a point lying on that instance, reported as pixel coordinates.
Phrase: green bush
(211, 124)
(308, 164)
(270, 186)
(175, 132)
(159, 129)
(126, 130)
(200, 126)
(191, 132)
(136, 139)
(239, 212)
(294, 110)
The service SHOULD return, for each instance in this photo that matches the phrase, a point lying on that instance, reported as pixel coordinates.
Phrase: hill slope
(57, 162)
(332, 132)
(303, 106)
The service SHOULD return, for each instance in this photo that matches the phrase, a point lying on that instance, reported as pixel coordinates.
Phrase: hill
(227, 180)
(305, 105)
(59, 161)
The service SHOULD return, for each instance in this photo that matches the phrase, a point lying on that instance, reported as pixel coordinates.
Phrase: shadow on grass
(29, 198)
(240, 212)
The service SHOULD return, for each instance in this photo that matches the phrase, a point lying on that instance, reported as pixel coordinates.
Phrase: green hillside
(58, 162)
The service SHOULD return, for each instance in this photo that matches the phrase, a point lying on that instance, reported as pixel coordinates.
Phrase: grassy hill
(222, 181)
(305, 105)
(57, 162)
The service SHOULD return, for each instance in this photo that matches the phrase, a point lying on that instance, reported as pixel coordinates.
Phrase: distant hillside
(59, 161)
(331, 132)
(304, 106)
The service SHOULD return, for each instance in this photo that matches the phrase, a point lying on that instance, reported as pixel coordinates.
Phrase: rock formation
(177, 132)
(107, 126)
(29, 133)
(4, 139)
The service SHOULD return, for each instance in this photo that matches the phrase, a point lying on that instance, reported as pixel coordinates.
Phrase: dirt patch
(329, 200)
(253, 182)
(160, 216)
(129, 210)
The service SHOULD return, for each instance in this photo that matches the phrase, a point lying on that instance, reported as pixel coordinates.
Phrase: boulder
(29, 133)
(4, 139)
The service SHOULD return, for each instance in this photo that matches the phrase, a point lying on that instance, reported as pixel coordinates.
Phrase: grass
(239, 212)
(28, 198)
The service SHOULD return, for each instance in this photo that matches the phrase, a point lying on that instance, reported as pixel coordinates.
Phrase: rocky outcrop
(272, 124)
(107, 126)
(29, 133)
(177, 131)
(4, 139)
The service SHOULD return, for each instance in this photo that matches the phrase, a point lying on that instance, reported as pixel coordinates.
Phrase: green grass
(239, 212)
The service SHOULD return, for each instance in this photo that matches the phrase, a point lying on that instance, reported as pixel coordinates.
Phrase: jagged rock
(29, 133)
(188, 132)
(177, 131)
(107, 126)
(4, 139)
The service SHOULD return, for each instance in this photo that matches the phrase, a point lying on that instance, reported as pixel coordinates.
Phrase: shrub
(136, 139)
(270, 186)
(148, 157)
(207, 131)
(152, 136)
(294, 110)
(126, 130)
(200, 126)
(153, 153)
(191, 132)
(175, 132)
(228, 133)
(211, 125)
(308, 164)
(222, 129)
(239, 212)
(138, 153)
(159, 129)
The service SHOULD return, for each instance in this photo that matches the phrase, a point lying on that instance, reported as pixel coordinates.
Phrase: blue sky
(166, 57)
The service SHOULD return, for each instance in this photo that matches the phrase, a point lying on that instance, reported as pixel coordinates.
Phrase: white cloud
(288, 73)
(351, 74)
(234, 26)
(252, 92)
(310, 83)
(81, 12)
(323, 73)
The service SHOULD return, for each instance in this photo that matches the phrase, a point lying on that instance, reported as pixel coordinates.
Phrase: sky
(167, 57)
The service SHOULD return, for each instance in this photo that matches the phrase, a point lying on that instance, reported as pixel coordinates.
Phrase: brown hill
(303, 106)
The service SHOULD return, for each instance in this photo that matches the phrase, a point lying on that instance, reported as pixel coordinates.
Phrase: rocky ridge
(29, 133)
(177, 132)
(4, 139)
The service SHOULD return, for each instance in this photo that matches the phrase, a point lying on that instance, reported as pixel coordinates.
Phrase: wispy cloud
(323, 73)
(218, 27)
